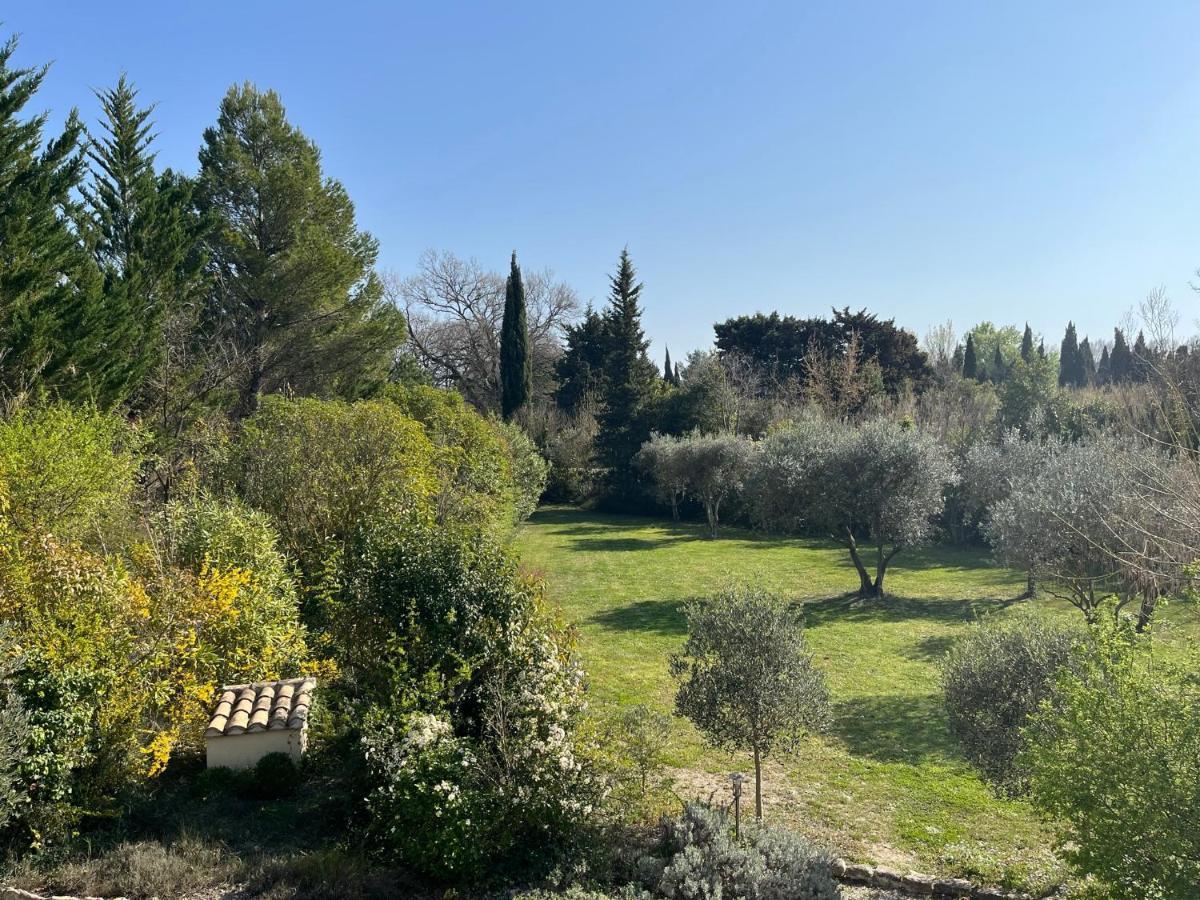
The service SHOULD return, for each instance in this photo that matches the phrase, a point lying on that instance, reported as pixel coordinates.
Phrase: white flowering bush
(499, 781)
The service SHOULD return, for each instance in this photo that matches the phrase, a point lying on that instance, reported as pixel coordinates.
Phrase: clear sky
(1004, 161)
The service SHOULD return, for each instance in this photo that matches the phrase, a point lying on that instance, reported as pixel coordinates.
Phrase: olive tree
(746, 678)
(1093, 524)
(880, 484)
(662, 459)
(991, 472)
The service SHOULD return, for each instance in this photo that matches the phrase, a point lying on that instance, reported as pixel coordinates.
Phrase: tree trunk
(674, 507)
(1146, 610)
(757, 785)
(1030, 586)
(865, 586)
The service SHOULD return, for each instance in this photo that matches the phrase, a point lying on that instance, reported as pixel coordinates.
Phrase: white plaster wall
(242, 751)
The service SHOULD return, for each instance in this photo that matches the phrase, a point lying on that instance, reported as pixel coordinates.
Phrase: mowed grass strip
(887, 784)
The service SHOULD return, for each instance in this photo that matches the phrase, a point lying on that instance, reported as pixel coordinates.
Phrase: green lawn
(887, 784)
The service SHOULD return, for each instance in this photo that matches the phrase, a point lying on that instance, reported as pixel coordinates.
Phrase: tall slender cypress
(516, 373)
(970, 367)
(1070, 372)
(668, 370)
(1120, 361)
(1027, 343)
(1087, 362)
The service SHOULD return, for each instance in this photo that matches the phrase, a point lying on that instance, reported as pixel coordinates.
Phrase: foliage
(703, 861)
(275, 776)
(638, 737)
(880, 482)
(69, 470)
(516, 365)
(629, 382)
(1094, 522)
(781, 345)
(14, 735)
(1115, 761)
(325, 470)
(496, 782)
(262, 635)
(746, 677)
(710, 468)
(530, 470)
(994, 679)
(46, 276)
(295, 295)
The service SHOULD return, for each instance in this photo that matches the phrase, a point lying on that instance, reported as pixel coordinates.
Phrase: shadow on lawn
(893, 728)
(850, 608)
(659, 616)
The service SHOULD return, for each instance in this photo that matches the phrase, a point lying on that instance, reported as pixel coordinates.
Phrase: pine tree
(297, 298)
(1103, 368)
(970, 368)
(1120, 361)
(581, 367)
(45, 270)
(1070, 371)
(1087, 362)
(516, 371)
(1027, 344)
(668, 371)
(628, 383)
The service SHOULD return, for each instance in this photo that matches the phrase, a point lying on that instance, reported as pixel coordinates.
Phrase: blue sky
(1007, 161)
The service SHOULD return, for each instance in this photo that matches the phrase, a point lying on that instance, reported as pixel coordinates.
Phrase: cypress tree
(1070, 372)
(145, 238)
(1142, 363)
(1120, 361)
(45, 271)
(1087, 362)
(1041, 349)
(676, 379)
(628, 383)
(956, 361)
(668, 371)
(1103, 371)
(516, 371)
(970, 368)
(1027, 343)
(999, 369)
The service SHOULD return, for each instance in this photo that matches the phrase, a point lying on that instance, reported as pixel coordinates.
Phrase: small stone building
(252, 720)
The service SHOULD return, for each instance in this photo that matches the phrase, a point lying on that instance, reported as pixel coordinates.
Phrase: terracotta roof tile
(263, 706)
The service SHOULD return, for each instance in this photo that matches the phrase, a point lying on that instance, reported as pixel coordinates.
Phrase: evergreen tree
(1120, 361)
(970, 367)
(677, 382)
(668, 371)
(629, 382)
(1027, 344)
(580, 368)
(516, 371)
(1143, 360)
(45, 271)
(297, 299)
(145, 238)
(956, 361)
(999, 369)
(1041, 349)
(1070, 369)
(1103, 368)
(1087, 362)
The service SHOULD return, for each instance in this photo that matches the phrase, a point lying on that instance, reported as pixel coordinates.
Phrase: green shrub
(275, 776)
(993, 679)
(14, 736)
(1114, 759)
(69, 470)
(701, 860)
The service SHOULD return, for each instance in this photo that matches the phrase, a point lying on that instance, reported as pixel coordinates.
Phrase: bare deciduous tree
(454, 309)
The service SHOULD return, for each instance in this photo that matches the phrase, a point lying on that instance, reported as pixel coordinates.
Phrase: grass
(887, 785)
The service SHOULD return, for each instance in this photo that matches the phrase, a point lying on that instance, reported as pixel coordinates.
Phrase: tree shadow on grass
(618, 544)
(894, 728)
(658, 616)
(932, 647)
(849, 608)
